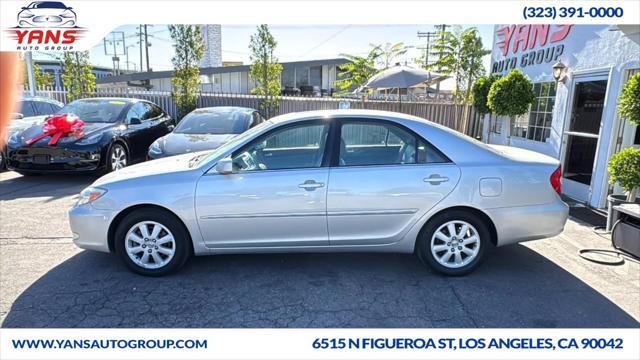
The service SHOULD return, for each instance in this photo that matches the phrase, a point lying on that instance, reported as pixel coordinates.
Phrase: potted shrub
(624, 168)
(480, 92)
(511, 96)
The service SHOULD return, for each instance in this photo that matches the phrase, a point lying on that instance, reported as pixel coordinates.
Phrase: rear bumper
(524, 223)
(90, 227)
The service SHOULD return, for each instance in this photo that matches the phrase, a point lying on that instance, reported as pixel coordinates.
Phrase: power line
(326, 40)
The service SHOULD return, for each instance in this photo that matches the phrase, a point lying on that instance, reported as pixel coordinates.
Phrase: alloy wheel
(118, 158)
(150, 244)
(455, 244)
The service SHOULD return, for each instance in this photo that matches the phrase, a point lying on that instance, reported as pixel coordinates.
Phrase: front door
(582, 136)
(276, 195)
(384, 179)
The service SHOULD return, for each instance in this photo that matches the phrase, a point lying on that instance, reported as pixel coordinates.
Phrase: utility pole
(30, 73)
(427, 48)
(119, 47)
(146, 46)
(140, 42)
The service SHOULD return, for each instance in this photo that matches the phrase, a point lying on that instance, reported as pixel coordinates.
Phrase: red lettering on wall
(538, 34)
(504, 35)
(561, 33)
(521, 38)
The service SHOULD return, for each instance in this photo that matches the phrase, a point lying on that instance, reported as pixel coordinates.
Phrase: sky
(295, 42)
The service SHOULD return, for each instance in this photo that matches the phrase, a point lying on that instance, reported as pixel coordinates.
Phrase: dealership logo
(46, 25)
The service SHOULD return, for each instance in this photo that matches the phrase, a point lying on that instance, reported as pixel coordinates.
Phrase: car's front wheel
(152, 242)
(453, 243)
(118, 157)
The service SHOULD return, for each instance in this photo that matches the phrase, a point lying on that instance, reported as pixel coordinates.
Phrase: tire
(2, 165)
(141, 256)
(434, 246)
(117, 158)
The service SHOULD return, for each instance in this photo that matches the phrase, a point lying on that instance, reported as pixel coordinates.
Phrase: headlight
(155, 148)
(67, 14)
(90, 194)
(14, 139)
(90, 140)
(26, 14)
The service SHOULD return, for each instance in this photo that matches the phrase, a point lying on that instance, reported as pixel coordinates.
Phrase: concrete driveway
(45, 281)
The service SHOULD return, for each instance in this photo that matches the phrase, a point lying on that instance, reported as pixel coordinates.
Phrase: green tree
(624, 168)
(629, 100)
(460, 54)
(471, 53)
(390, 52)
(265, 69)
(480, 92)
(78, 79)
(358, 70)
(188, 50)
(42, 79)
(511, 95)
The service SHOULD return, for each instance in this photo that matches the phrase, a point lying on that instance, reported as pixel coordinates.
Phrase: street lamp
(559, 72)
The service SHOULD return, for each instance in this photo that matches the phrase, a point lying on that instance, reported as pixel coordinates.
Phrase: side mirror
(171, 127)
(17, 116)
(134, 121)
(225, 166)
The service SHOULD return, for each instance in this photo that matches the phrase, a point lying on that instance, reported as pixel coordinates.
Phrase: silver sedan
(326, 181)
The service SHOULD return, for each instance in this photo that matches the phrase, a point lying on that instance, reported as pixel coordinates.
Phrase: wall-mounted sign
(526, 45)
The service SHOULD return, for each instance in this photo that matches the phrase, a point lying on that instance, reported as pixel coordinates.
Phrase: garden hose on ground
(620, 256)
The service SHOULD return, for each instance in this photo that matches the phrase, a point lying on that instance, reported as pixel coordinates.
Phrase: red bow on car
(59, 126)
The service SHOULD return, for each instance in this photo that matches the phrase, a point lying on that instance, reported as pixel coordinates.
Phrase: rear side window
(26, 108)
(365, 143)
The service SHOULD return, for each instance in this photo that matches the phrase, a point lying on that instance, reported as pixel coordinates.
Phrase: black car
(30, 110)
(116, 132)
(205, 129)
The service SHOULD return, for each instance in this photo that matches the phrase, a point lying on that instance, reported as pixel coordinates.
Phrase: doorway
(582, 136)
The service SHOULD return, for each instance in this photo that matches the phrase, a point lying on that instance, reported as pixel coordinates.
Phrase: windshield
(200, 159)
(95, 111)
(214, 121)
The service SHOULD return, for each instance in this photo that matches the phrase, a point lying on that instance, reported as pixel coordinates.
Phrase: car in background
(205, 129)
(326, 181)
(47, 14)
(31, 110)
(116, 132)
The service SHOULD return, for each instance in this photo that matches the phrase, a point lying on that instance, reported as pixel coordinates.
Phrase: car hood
(163, 166)
(174, 143)
(24, 123)
(89, 129)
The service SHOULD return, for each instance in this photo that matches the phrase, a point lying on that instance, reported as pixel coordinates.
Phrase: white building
(575, 120)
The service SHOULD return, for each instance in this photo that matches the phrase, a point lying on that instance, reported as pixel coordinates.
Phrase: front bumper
(524, 223)
(90, 227)
(54, 159)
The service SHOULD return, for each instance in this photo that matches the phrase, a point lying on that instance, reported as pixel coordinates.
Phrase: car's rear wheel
(118, 157)
(453, 243)
(152, 242)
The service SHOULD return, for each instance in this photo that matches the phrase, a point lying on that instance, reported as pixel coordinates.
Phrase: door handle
(436, 179)
(310, 185)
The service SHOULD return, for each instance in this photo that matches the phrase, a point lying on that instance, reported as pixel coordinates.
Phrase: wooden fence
(462, 118)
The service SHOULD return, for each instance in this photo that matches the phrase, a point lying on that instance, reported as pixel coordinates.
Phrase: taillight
(555, 180)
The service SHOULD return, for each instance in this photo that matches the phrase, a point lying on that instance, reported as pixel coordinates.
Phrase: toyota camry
(326, 181)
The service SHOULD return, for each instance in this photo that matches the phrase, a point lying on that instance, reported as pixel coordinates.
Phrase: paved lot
(45, 281)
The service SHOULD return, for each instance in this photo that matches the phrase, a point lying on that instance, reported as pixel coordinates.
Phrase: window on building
(536, 125)
(495, 125)
(302, 76)
(288, 77)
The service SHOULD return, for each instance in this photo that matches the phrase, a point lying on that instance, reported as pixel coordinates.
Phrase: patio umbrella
(403, 77)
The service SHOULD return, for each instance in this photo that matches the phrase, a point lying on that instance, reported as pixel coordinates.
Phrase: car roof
(349, 113)
(123, 99)
(40, 98)
(228, 108)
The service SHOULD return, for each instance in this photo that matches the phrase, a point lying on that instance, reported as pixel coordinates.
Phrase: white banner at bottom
(319, 344)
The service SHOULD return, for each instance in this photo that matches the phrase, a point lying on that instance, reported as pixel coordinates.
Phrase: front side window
(293, 147)
(377, 143)
(42, 108)
(137, 111)
(26, 108)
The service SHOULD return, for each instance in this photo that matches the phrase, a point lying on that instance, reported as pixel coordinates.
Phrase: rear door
(382, 180)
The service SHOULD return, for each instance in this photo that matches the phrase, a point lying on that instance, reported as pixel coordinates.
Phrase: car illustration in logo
(46, 14)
